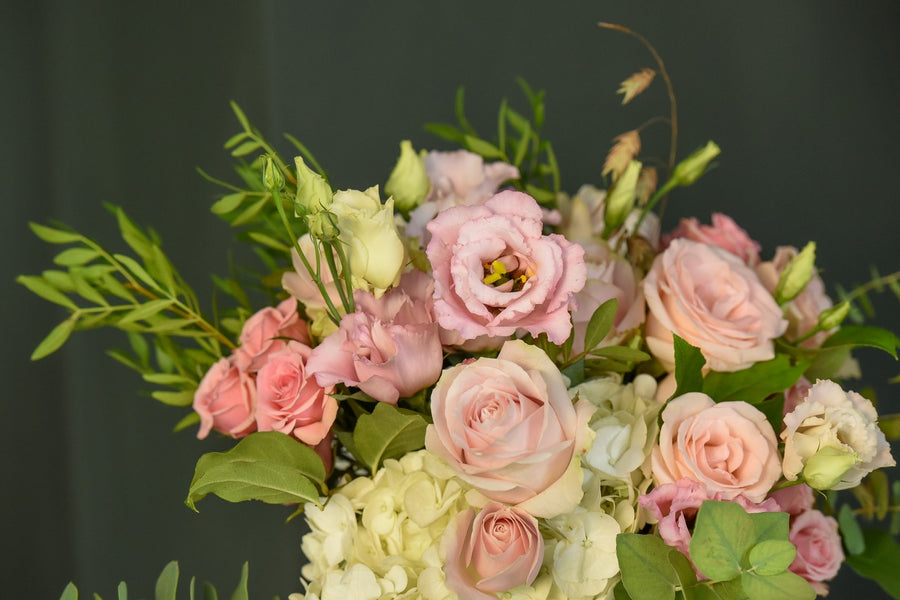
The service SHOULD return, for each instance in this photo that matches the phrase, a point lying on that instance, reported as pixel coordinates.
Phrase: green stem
(345, 271)
(874, 285)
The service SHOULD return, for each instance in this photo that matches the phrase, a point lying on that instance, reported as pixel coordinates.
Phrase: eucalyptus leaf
(137, 270)
(268, 466)
(87, 291)
(647, 573)
(772, 557)
(387, 433)
(600, 323)
(756, 383)
(132, 234)
(74, 257)
(55, 339)
(723, 534)
(784, 586)
(689, 362)
(167, 583)
(228, 203)
(54, 236)
(45, 290)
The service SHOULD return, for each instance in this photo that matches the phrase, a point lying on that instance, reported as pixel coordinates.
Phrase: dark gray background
(113, 102)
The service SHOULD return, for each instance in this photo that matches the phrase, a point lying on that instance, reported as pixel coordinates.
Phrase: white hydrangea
(585, 565)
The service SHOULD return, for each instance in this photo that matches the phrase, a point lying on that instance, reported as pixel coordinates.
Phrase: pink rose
(458, 178)
(226, 401)
(495, 272)
(728, 447)
(389, 348)
(494, 551)
(608, 276)
(263, 332)
(723, 233)
(506, 425)
(290, 400)
(819, 553)
(794, 499)
(675, 506)
(713, 301)
(803, 311)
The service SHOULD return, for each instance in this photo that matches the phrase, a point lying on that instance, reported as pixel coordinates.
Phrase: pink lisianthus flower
(268, 331)
(794, 499)
(723, 233)
(459, 178)
(389, 348)
(495, 272)
(819, 553)
(494, 551)
(675, 506)
(226, 400)
(290, 400)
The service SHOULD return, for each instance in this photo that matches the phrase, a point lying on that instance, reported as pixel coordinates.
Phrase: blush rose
(819, 553)
(712, 300)
(508, 428)
(728, 447)
(723, 233)
(266, 332)
(496, 550)
(226, 401)
(495, 272)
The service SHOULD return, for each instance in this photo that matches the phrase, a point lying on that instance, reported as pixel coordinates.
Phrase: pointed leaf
(54, 340)
(851, 531)
(267, 466)
(447, 132)
(45, 290)
(138, 271)
(756, 383)
(864, 335)
(601, 322)
(122, 591)
(246, 148)
(890, 425)
(240, 593)
(387, 433)
(485, 149)
(190, 419)
(209, 592)
(54, 236)
(689, 362)
(74, 257)
(145, 311)
(185, 398)
(70, 592)
(622, 353)
(167, 584)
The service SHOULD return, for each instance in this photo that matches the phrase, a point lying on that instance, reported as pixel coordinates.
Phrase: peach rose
(226, 401)
(290, 400)
(494, 551)
(723, 233)
(263, 334)
(712, 300)
(506, 425)
(729, 447)
(819, 553)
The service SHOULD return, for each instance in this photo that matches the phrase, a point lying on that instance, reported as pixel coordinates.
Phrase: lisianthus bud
(797, 274)
(690, 169)
(408, 184)
(313, 192)
(323, 225)
(827, 467)
(273, 178)
(834, 316)
(620, 199)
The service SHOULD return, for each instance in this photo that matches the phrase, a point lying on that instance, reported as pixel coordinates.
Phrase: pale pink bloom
(268, 331)
(226, 401)
(290, 400)
(728, 447)
(506, 425)
(495, 272)
(608, 276)
(458, 178)
(712, 300)
(494, 551)
(723, 233)
(794, 499)
(819, 553)
(796, 394)
(299, 283)
(675, 506)
(389, 348)
(803, 311)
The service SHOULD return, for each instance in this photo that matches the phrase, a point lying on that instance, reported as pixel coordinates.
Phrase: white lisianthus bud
(273, 178)
(690, 169)
(313, 192)
(796, 275)
(827, 467)
(367, 228)
(408, 184)
(621, 197)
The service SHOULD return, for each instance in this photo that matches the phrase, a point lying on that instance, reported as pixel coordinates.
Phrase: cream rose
(830, 418)
(729, 447)
(508, 428)
(715, 302)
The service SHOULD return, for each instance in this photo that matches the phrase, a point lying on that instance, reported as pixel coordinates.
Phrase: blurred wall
(107, 102)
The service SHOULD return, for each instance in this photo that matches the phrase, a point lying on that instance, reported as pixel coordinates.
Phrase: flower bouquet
(473, 385)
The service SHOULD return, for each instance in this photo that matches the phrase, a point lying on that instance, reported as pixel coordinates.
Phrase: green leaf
(45, 290)
(185, 398)
(145, 311)
(54, 236)
(122, 591)
(684, 572)
(74, 257)
(864, 335)
(188, 420)
(878, 482)
(246, 148)
(268, 241)
(132, 234)
(890, 425)
(447, 132)
(723, 534)
(756, 383)
(87, 291)
(720, 590)
(827, 362)
(770, 526)
(601, 322)
(169, 379)
(138, 271)
(240, 593)
(485, 149)
(55, 339)
(879, 561)
(268, 466)
(784, 586)
(251, 211)
(387, 433)
(70, 592)
(689, 362)
(167, 584)
(227, 203)
(646, 571)
(622, 353)
(772, 557)
(851, 531)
